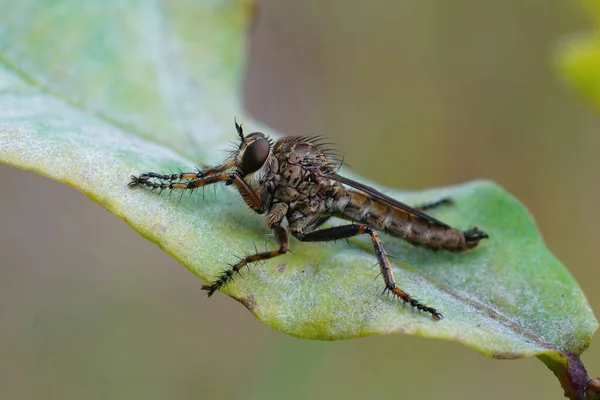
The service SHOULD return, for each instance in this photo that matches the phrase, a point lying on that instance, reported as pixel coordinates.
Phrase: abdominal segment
(356, 206)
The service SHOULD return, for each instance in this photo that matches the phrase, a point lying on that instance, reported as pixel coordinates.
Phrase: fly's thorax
(296, 165)
(301, 185)
(303, 152)
(292, 174)
(295, 181)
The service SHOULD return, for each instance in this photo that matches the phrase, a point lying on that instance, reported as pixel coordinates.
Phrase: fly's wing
(380, 197)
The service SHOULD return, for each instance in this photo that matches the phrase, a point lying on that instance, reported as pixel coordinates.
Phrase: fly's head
(253, 154)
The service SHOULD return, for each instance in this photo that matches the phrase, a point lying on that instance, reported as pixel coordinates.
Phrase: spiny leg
(164, 178)
(346, 231)
(248, 195)
(283, 239)
(175, 184)
(136, 180)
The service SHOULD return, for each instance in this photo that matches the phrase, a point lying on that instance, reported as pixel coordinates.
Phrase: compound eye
(255, 155)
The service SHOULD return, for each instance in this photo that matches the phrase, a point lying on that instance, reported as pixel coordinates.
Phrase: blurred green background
(416, 94)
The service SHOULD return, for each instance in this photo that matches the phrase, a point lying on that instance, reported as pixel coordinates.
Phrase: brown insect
(295, 179)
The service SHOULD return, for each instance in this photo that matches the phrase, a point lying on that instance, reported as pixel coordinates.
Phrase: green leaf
(91, 96)
(579, 58)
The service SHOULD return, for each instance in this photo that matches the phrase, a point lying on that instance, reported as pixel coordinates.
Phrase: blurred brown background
(417, 94)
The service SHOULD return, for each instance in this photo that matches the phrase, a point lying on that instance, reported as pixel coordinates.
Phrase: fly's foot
(144, 179)
(211, 289)
(222, 279)
(414, 303)
(137, 180)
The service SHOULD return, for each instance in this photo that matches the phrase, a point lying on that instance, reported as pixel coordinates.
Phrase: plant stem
(574, 378)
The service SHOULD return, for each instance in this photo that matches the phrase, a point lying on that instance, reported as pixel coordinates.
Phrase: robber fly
(295, 179)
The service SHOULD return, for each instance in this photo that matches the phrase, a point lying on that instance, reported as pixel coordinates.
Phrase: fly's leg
(347, 231)
(249, 196)
(163, 178)
(430, 206)
(283, 239)
(145, 178)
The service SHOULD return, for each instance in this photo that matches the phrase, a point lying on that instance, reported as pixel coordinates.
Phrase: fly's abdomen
(413, 228)
(421, 232)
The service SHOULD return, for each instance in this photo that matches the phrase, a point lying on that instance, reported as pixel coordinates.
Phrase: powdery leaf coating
(508, 298)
